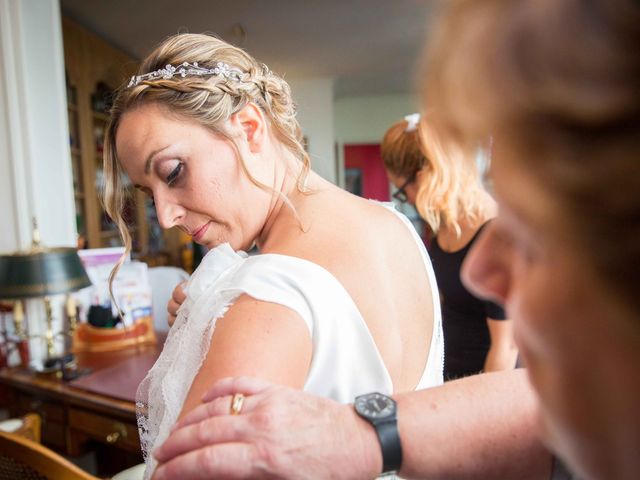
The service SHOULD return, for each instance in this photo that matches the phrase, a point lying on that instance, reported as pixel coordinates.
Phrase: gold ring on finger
(236, 404)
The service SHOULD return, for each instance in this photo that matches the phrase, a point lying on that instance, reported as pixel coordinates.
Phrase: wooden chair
(28, 426)
(24, 459)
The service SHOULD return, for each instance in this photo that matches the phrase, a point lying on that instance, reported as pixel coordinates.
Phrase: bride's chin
(216, 243)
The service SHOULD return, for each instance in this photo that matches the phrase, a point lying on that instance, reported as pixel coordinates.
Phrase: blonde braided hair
(208, 100)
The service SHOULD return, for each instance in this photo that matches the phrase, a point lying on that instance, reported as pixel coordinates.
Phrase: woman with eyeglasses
(448, 193)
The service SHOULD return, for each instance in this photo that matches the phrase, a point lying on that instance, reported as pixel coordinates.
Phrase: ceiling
(368, 47)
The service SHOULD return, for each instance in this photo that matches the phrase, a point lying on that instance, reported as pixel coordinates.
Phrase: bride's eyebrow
(147, 163)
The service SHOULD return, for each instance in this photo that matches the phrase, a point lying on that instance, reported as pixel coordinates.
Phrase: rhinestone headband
(188, 70)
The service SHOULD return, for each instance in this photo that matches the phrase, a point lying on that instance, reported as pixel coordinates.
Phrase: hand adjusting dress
(345, 360)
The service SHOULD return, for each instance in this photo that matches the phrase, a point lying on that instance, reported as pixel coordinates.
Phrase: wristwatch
(380, 411)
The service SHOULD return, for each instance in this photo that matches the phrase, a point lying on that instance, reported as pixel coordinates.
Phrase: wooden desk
(96, 411)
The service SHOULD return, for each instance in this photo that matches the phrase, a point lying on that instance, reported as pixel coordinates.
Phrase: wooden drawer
(53, 418)
(54, 435)
(49, 411)
(107, 430)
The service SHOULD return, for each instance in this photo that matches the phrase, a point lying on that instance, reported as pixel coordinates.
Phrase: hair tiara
(188, 70)
(412, 122)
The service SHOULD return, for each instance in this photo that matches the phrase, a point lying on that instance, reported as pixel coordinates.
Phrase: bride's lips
(199, 233)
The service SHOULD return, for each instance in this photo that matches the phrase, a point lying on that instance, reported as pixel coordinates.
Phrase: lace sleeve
(161, 394)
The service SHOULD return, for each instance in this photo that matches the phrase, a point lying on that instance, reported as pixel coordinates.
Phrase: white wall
(35, 167)
(9, 239)
(314, 98)
(327, 122)
(366, 119)
(36, 178)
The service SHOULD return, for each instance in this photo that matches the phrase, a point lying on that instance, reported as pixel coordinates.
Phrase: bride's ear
(250, 121)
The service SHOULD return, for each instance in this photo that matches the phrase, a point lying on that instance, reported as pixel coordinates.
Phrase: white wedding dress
(345, 360)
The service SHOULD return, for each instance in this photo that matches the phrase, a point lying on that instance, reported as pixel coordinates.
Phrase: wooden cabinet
(94, 69)
(94, 413)
(76, 159)
(76, 423)
(102, 428)
(52, 414)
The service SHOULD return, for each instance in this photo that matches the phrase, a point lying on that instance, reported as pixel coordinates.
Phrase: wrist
(380, 412)
(367, 444)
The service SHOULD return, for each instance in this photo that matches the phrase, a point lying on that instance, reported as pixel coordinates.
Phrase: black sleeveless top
(464, 316)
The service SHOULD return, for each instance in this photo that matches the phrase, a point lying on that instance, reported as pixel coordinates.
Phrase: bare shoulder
(258, 339)
(339, 227)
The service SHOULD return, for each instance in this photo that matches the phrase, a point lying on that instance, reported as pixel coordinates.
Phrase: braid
(209, 100)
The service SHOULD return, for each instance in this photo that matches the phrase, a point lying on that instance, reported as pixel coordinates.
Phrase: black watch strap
(390, 443)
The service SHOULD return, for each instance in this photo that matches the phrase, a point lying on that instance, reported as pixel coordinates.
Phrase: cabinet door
(95, 69)
(76, 163)
(53, 418)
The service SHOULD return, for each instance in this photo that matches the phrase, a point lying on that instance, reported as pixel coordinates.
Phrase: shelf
(101, 116)
(93, 70)
(109, 233)
(115, 232)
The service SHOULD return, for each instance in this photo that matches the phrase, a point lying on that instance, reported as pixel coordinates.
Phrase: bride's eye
(175, 173)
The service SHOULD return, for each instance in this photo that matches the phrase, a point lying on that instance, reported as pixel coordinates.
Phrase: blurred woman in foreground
(556, 84)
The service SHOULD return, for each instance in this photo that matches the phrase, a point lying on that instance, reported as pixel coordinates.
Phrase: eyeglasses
(401, 193)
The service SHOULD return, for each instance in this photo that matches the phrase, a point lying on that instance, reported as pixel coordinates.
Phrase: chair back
(28, 426)
(24, 459)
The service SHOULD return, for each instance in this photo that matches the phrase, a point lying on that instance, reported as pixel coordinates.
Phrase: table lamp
(39, 273)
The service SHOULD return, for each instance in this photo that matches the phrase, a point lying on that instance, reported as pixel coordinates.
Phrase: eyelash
(171, 178)
(175, 173)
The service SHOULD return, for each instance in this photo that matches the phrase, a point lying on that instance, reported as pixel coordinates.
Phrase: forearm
(503, 352)
(476, 428)
(480, 427)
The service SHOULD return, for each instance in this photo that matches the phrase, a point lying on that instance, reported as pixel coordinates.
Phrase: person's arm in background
(476, 428)
(503, 352)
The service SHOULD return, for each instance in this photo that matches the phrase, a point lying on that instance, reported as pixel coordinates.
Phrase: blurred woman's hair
(556, 83)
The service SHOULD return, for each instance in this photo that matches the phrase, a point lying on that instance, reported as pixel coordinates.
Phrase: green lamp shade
(41, 272)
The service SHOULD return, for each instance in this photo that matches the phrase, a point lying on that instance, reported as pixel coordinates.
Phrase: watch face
(375, 405)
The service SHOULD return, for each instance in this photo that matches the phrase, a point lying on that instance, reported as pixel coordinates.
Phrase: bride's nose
(169, 211)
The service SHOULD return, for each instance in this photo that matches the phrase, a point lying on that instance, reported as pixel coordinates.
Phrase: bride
(340, 301)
